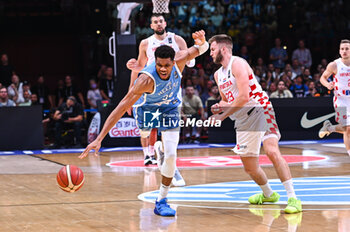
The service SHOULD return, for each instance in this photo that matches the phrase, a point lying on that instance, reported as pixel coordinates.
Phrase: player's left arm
(200, 47)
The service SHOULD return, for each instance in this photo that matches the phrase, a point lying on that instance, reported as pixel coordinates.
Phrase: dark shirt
(6, 72)
(70, 91)
(43, 93)
(70, 112)
(107, 86)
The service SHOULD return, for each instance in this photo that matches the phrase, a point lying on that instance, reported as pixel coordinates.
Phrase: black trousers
(60, 125)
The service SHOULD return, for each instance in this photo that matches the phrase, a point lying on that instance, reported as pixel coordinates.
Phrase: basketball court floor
(119, 191)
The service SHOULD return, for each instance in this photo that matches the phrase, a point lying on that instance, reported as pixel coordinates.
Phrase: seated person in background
(281, 92)
(93, 94)
(4, 99)
(69, 114)
(34, 99)
(191, 105)
(26, 99)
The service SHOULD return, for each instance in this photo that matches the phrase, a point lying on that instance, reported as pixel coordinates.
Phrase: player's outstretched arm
(330, 70)
(144, 85)
(200, 47)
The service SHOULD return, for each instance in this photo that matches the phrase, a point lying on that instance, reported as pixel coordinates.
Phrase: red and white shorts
(254, 128)
(342, 110)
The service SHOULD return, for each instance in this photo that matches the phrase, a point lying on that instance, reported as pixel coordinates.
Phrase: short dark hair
(222, 38)
(164, 52)
(156, 15)
(344, 41)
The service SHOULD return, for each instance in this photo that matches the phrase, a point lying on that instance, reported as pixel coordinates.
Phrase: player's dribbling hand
(199, 37)
(216, 108)
(330, 85)
(132, 64)
(95, 145)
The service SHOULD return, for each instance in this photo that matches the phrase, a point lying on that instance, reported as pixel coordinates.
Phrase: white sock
(151, 150)
(163, 192)
(266, 188)
(198, 135)
(145, 151)
(349, 152)
(331, 128)
(288, 185)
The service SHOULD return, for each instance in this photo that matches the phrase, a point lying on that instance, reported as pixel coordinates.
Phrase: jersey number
(229, 96)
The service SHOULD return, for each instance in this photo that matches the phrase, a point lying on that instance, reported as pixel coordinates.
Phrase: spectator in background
(71, 90)
(303, 55)
(4, 100)
(244, 54)
(43, 93)
(278, 55)
(263, 84)
(69, 114)
(286, 70)
(307, 74)
(26, 99)
(217, 19)
(214, 95)
(312, 91)
(296, 67)
(272, 88)
(299, 89)
(107, 85)
(260, 65)
(34, 99)
(59, 92)
(281, 91)
(101, 74)
(93, 94)
(15, 90)
(6, 70)
(191, 106)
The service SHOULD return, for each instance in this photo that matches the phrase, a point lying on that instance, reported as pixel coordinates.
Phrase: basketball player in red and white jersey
(146, 56)
(340, 69)
(244, 101)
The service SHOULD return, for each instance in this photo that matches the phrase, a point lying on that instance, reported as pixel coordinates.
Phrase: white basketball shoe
(324, 129)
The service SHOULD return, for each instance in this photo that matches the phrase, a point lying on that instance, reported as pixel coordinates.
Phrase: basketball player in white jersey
(146, 57)
(244, 101)
(340, 69)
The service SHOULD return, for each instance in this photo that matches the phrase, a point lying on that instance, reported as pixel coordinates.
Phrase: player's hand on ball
(95, 145)
(216, 108)
(199, 37)
(132, 64)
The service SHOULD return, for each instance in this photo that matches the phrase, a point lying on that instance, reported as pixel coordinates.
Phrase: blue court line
(181, 146)
(319, 193)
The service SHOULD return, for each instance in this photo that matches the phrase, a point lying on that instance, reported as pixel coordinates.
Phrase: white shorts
(342, 110)
(254, 129)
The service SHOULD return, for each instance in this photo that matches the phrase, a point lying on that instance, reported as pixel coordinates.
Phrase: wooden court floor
(30, 199)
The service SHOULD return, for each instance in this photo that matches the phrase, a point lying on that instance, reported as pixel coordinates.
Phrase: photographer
(68, 115)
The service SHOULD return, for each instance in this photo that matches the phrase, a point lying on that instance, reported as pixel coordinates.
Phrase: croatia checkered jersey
(342, 79)
(227, 85)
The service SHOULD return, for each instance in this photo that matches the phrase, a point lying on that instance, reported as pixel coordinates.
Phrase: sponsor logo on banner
(308, 123)
(125, 127)
(94, 128)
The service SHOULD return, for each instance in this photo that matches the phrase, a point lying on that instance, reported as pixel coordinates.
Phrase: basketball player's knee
(347, 130)
(169, 165)
(274, 155)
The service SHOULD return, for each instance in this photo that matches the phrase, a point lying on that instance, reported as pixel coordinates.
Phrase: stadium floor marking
(331, 142)
(321, 191)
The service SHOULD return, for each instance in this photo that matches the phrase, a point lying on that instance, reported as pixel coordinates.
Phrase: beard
(218, 58)
(159, 32)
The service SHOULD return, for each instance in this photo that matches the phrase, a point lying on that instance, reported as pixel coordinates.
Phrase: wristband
(202, 48)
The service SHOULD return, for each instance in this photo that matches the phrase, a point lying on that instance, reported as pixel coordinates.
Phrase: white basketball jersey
(227, 85)
(342, 79)
(154, 43)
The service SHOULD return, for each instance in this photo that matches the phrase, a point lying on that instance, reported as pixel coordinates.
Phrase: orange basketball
(70, 178)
